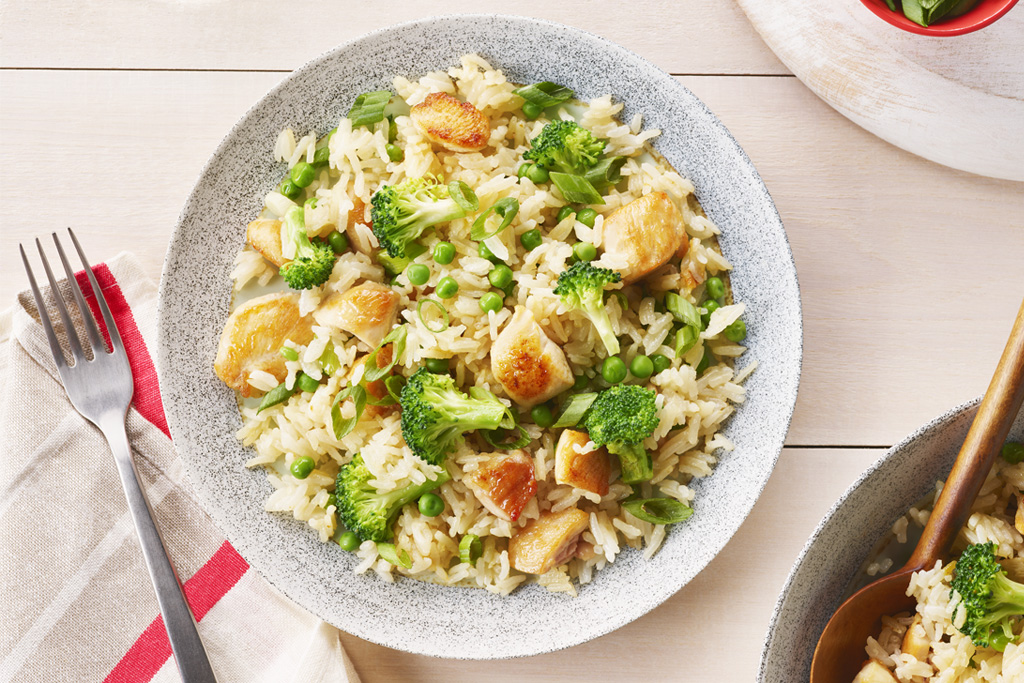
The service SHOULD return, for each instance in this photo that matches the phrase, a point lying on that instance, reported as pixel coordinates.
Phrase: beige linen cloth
(76, 602)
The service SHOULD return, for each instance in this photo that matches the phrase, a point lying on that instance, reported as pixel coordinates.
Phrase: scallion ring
(521, 441)
(444, 315)
(574, 410)
(397, 337)
(389, 552)
(368, 108)
(278, 394)
(544, 94)
(342, 426)
(463, 195)
(470, 549)
(507, 208)
(576, 189)
(658, 510)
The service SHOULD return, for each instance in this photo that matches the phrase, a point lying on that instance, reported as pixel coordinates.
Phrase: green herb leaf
(506, 208)
(544, 94)
(658, 510)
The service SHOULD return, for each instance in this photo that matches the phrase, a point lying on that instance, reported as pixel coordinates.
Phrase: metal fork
(101, 390)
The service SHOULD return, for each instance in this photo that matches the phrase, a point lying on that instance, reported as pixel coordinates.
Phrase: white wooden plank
(698, 36)
(910, 271)
(712, 630)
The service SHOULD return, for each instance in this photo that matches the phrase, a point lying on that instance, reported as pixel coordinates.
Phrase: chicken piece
(1018, 517)
(504, 484)
(530, 367)
(915, 641)
(253, 336)
(589, 471)
(451, 123)
(368, 311)
(264, 235)
(548, 541)
(874, 672)
(375, 390)
(585, 551)
(643, 235)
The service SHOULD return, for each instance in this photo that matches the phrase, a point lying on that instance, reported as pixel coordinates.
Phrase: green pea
(418, 274)
(580, 383)
(531, 239)
(332, 501)
(289, 189)
(487, 253)
(289, 353)
(348, 541)
(301, 467)
(338, 241)
(438, 366)
(490, 302)
(500, 276)
(641, 367)
(710, 306)
(715, 288)
(565, 212)
(322, 156)
(737, 331)
(447, 287)
(584, 251)
(613, 370)
(586, 217)
(661, 363)
(431, 505)
(444, 253)
(538, 174)
(302, 174)
(306, 383)
(705, 362)
(542, 416)
(531, 111)
(395, 152)
(524, 168)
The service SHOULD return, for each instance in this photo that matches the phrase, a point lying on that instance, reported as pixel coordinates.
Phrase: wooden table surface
(910, 272)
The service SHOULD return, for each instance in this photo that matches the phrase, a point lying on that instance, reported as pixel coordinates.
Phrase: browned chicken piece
(530, 367)
(356, 215)
(253, 337)
(451, 123)
(504, 484)
(264, 235)
(875, 672)
(915, 641)
(589, 471)
(368, 311)
(375, 390)
(548, 541)
(644, 235)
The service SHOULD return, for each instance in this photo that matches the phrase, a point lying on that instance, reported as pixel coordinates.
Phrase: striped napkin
(77, 602)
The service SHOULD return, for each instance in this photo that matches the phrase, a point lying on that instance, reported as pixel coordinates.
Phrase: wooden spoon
(840, 651)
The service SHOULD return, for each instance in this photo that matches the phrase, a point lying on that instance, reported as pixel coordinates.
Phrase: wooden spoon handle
(988, 432)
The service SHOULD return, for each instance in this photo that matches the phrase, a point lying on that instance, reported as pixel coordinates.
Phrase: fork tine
(73, 341)
(115, 336)
(90, 322)
(44, 317)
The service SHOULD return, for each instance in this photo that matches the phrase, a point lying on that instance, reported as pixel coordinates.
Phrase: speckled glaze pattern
(195, 296)
(849, 531)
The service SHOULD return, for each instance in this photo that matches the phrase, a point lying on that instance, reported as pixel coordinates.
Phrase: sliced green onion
(686, 338)
(470, 549)
(444, 315)
(623, 299)
(506, 208)
(389, 552)
(574, 410)
(463, 195)
(278, 394)
(396, 336)
(683, 310)
(576, 189)
(521, 441)
(605, 173)
(289, 353)
(658, 510)
(342, 427)
(510, 419)
(329, 361)
(544, 94)
(306, 383)
(369, 108)
(394, 386)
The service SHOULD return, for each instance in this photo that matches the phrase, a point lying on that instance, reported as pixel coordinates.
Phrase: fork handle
(189, 652)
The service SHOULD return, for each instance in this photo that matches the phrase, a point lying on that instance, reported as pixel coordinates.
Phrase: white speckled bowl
(195, 296)
(843, 539)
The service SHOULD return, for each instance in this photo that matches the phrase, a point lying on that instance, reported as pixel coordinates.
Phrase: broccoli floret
(582, 286)
(313, 263)
(435, 414)
(991, 600)
(620, 418)
(400, 213)
(565, 146)
(366, 512)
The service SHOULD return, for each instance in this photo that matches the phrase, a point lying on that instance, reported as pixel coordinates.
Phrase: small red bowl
(983, 14)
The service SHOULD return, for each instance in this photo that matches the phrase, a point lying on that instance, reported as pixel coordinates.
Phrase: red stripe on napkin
(203, 591)
(147, 387)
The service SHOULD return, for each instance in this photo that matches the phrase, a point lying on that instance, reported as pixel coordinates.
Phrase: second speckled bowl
(195, 297)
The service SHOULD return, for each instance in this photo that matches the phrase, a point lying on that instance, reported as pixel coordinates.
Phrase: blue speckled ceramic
(841, 543)
(195, 296)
